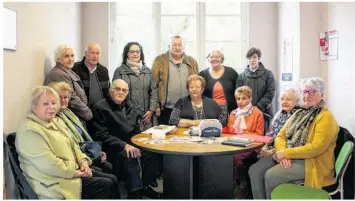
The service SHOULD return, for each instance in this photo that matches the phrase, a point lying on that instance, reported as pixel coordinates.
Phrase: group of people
(75, 142)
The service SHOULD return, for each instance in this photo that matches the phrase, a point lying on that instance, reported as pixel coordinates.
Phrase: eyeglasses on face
(118, 89)
(133, 51)
(309, 92)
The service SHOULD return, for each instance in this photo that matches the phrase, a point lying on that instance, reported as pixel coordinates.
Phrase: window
(205, 26)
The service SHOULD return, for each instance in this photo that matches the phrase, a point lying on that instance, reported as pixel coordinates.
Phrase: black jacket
(102, 75)
(228, 81)
(114, 124)
(262, 82)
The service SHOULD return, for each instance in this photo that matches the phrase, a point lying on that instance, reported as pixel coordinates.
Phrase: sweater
(318, 152)
(254, 122)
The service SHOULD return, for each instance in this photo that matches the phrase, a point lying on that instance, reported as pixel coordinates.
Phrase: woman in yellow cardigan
(51, 161)
(304, 147)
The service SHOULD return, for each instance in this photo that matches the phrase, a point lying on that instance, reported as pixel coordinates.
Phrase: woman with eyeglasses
(304, 147)
(143, 90)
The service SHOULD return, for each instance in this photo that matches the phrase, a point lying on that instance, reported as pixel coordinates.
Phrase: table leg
(191, 164)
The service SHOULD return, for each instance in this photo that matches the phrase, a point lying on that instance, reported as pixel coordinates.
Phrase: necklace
(198, 112)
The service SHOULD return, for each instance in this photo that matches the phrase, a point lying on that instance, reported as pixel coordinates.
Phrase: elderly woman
(51, 161)
(304, 147)
(190, 110)
(260, 80)
(64, 57)
(220, 81)
(288, 99)
(139, 78)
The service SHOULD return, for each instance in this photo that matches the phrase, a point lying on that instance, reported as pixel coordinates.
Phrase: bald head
(119, 83)
(92, 54)
(119, 91)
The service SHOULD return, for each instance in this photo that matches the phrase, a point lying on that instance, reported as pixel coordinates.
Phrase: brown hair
(253, 51)
(244, 90)
(195, 77)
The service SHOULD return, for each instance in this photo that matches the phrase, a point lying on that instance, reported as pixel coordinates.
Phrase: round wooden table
(195, 170)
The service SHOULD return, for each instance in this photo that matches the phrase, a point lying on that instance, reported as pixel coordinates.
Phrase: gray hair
(315, 83)
(220, 52)
(119, 80)
(177, 37)
(37, 93)
(294, 93)
(58, 52)
(89, 46)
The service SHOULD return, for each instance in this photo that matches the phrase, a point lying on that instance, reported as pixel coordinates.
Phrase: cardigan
(318, 152)
(255, 122)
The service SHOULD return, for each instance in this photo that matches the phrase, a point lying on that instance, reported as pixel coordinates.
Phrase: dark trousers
(97, 188)
(165, 116)
(128, 169)
(105, 170)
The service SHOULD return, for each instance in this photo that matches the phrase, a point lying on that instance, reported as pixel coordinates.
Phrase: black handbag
(93, 150)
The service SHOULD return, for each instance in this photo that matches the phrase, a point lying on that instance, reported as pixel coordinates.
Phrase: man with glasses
(115, 122)
(171, 71)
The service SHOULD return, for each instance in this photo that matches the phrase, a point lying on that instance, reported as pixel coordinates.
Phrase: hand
(157, 112)
(195, 122)
(265, 152)
(132, 152)
(103, 157)
(280, 155)
(147, 117)
(84, 167)
(78, 173)
(286, 163)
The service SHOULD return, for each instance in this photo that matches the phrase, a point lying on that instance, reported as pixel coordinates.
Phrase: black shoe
(135, 195)
(150, 193)
(154, 184)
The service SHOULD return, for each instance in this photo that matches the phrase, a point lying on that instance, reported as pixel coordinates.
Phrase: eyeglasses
(309, 92)
(134, 51)
(118, 89)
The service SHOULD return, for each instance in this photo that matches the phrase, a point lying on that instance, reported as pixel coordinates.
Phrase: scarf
(70, 120)
(240, 115)
(135, 67)
(297, 130)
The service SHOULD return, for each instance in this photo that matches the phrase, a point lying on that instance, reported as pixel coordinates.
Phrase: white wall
(341, 73)
(41, 27)
(95, 27)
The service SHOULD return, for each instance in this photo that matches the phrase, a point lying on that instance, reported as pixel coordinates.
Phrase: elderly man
(93, 75)
(171, 71)
(115, 121)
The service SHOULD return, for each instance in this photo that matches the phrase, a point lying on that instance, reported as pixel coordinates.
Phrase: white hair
(90, 45)
(37, 93)
(315, 83)
(115, 82)
(292, 91)
(58, 52)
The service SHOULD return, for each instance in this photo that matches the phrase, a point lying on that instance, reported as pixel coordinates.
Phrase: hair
(61, 86)
(126, 49)
(315, 83)
(195, 77)
(88, 47)
(294, 93)
(118, 80)
(58, 52)
(37, 93)
(210, 54)
(177, 37)
(253, 51)
(245, 90)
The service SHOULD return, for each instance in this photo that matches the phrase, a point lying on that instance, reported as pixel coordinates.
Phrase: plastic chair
(25, 190)
(293, 191)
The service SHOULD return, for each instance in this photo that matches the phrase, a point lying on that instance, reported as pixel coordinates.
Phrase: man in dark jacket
(115, 122)
(93, 75)
(260, 80)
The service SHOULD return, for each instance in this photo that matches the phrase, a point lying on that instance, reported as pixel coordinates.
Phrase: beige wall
(41, 27)
(95, 27)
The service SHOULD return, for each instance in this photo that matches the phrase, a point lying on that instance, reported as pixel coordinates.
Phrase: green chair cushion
(292, 191)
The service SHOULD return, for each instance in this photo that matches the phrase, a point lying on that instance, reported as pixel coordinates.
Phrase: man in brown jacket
(171, 71)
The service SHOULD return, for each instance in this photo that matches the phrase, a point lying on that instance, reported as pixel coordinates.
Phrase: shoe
(135, 195)
(150, 193)
(154, 184)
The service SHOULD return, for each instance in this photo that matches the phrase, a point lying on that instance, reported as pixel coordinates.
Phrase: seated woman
(245, 119)
(288, 99)
(304, 147)
(80, 135)
(190, 110)
(51, 161)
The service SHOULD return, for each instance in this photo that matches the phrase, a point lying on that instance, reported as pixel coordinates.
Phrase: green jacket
(49, 157)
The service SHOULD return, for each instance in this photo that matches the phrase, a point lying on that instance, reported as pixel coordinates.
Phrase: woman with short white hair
(51, 161)
(304, 147)
(62, 71)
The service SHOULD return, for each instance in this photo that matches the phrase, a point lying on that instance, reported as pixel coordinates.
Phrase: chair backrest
(24, 188)
(267, 120)
(343, 159)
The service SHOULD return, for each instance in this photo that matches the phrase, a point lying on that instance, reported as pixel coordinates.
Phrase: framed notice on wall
(10, 29)
(328, 45)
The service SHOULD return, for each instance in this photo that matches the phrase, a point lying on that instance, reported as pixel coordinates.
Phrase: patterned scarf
(71, 120)
(240, 115)
(298, 125)
(135, 67)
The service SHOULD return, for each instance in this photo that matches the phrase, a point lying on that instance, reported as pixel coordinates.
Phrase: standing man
(171, 71)
(93, 75)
